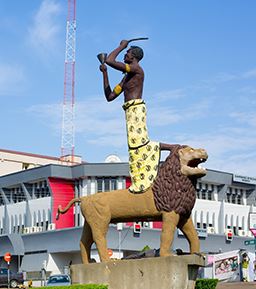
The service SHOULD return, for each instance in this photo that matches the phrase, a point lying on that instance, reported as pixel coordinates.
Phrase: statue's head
(137, 52)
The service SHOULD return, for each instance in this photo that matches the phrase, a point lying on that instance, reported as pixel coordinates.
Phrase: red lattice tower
(68, 132)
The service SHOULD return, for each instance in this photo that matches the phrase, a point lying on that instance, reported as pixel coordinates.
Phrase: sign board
(110, 252)
(252, 221)
(250, 242)
(226, 266)
(7, 257)
(244, 179)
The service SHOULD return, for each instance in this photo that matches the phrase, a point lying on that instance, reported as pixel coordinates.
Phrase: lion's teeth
(201, 167)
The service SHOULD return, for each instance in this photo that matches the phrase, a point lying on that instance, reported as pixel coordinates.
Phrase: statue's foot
(166, 254)
(202, 255)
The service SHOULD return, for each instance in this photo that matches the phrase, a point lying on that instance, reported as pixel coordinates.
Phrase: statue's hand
(103, 67)
(124, 43)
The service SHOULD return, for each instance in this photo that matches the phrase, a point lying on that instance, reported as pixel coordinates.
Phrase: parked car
(16, 279)
(59, 280)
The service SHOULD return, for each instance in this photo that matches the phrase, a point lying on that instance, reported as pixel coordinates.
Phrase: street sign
(7, 257)
(250, 242)
(110, 252)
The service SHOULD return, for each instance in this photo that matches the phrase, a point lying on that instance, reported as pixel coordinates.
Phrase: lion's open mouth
(195, 162)
(191, 160)
(194, 167)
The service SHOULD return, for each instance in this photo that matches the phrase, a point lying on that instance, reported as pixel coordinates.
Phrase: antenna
(68, 112)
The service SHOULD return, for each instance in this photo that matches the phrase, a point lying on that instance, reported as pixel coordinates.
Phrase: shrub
(206, 283)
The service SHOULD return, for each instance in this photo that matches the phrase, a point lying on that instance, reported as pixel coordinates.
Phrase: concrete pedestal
(173, 272)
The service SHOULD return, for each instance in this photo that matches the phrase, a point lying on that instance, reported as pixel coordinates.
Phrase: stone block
(172, 272)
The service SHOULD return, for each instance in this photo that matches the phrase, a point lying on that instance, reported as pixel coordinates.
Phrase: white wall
(16, 214)
(207, 212)
(39, 210)
(236, 215)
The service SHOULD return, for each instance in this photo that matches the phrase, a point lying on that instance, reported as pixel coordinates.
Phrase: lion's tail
(63, 211)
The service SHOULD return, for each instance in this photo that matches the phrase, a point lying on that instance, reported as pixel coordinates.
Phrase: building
(29, 200)
(15, 161)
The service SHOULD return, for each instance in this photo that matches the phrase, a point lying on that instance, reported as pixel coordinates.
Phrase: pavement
(237, 285)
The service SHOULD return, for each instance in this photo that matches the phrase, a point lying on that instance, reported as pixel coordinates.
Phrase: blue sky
(200, 76)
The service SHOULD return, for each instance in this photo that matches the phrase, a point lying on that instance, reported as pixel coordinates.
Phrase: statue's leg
(170, 222)
(99, 237)
(86, 243)
(97, 213)
(189, 231)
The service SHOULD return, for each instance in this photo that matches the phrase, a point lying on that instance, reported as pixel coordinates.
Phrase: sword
(136, 39)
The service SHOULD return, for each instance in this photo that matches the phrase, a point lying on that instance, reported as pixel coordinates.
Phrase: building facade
(29, 200)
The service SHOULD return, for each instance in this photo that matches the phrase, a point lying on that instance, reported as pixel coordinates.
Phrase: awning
(34, 262)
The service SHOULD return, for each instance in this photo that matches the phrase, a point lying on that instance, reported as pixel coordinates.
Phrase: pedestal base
(173, 272)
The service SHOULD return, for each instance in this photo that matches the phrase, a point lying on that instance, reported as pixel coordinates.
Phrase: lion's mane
(172, 190)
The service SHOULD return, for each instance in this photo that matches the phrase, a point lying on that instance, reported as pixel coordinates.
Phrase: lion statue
(170, 199)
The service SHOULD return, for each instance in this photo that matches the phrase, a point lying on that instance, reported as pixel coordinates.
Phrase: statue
(158, 193)
(170, 199)
(144, 154)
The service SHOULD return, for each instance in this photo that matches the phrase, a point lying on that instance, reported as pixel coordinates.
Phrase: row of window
(206, 192)
(35, 190)
(104, 184)
(22, 229)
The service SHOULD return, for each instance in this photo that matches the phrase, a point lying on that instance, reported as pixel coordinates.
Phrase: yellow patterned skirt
(144, 155)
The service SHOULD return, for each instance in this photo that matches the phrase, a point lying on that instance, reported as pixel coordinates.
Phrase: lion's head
(174, 187)
(190, 160)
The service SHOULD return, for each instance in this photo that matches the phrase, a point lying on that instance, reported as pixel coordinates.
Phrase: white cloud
(44, 30)
(245, 117)
(247, 90)
(223, 77)
(103, 123)
(109, 140)
(170, 94)
(166, 115)
(11, 79)
(249, 74)
(228, 150)
(50, 114)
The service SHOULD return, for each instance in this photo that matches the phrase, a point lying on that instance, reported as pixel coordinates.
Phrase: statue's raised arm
(132, 82)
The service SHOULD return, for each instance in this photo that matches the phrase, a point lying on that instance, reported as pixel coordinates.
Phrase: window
(239, 199)
(209, 195)
(17, 195)
(234, 196)
(25, 166)
(204, 191)
(203, 195)
(41, 189)
(3, 271)
(106, 184)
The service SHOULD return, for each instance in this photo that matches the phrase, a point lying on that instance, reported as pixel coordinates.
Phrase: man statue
(144, 155)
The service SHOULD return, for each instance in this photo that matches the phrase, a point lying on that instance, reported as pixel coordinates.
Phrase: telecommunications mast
(68, 133)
